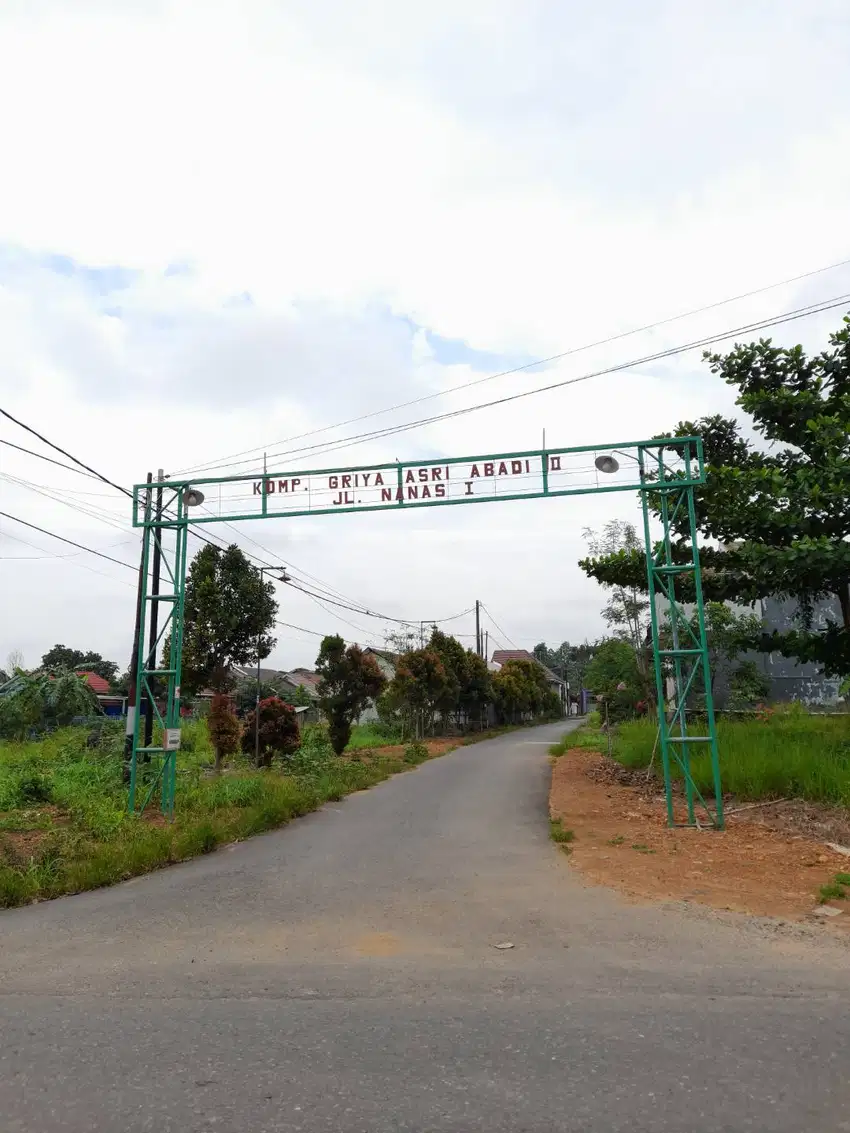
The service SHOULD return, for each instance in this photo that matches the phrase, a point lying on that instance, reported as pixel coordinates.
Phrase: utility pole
(154, 626)
(477, 627)
(132, 692)
(486, 644)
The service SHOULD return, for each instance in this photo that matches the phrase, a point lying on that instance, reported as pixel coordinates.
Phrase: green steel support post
(656, 645)
(170, 532)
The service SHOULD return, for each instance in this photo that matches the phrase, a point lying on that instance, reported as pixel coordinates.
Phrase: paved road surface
(341, 975)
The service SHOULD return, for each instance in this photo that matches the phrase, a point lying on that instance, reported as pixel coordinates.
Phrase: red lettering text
(554, 464)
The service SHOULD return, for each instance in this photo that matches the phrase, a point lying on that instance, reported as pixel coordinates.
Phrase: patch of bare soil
(761, 864)
(396, 751)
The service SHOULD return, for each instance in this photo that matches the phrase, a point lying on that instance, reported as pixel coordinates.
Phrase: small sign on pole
(172, 739)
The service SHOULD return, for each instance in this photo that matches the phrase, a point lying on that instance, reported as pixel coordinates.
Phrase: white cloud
(520, 177)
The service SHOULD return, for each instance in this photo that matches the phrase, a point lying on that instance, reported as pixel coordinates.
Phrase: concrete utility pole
(486, 644)
(477, 627)
(132, 692)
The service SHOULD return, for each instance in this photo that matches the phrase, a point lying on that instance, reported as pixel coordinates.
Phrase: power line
(35, 433)
(223, 461)
(93, 472)
(498, 627)
(49, 459)
(71, 557)
(62, 539)
(379, 434)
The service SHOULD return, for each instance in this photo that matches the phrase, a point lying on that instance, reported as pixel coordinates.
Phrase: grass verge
(788, 754)
(64, 827)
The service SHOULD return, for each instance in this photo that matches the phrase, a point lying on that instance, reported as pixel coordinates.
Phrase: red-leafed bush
(278, 732)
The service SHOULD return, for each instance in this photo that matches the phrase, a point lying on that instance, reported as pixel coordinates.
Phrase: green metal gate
(667, 470)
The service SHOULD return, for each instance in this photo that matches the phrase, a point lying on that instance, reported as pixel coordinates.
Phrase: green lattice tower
(682, 671)
(156, 766)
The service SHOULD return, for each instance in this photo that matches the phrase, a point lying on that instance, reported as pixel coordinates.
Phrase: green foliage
(783, 754)
(748, 686)
(832, 891)
(350, 680)
(230, 611)
(43, 701)
(568, 661)
(93, 841)
(779, 512)
(521, 690)
(374, 734)
(62, 659)
(627, 609)
(421, 684)
(278, 731)
(415, 753)
(559, 833)
(300, 698)
(224, 728)
(728, 633)
(614, 675)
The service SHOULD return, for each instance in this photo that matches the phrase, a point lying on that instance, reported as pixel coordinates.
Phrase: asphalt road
(341, 974)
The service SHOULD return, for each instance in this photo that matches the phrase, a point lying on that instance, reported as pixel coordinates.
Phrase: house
(110, 703)
(502, 656)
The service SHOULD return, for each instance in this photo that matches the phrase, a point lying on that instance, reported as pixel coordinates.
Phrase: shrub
(415, 753)
(225, 729)
(278, 731)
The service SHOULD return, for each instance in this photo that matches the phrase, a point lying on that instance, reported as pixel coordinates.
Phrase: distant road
(341, 975)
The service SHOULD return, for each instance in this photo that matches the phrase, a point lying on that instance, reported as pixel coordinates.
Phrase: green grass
(559, 833)
(790, 754)
(64, 827)
(372, 735)
(832, 891)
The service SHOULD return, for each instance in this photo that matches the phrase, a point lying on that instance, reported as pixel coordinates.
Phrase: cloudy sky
(225, 225)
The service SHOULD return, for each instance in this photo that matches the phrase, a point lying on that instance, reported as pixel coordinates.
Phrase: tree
(14, 661)
(62, 659)
(727, 633)
(350, 680)
(614, 676)
(43, 701)
(229, 612)
(627, 610)
(476, 688)
(301, 697)
(779, 513)
(520, 689)
(421, 684)
(224, 728)
(278, 733)
(568, 661)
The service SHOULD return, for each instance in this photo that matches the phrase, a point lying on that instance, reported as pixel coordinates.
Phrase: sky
(226, 225)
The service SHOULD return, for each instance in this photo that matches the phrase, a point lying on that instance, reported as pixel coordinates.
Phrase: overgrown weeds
(64, 827)
(559, 833)
(791, 753)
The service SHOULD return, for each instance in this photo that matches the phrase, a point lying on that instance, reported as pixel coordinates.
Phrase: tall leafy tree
(230, 612)
(627, 610)
(350, 680)
(777, 509)
(520, 690)
(568, 661)
(63, 659)
(421, 684)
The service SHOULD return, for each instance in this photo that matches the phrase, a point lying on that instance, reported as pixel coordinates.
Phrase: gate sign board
(456, 480)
